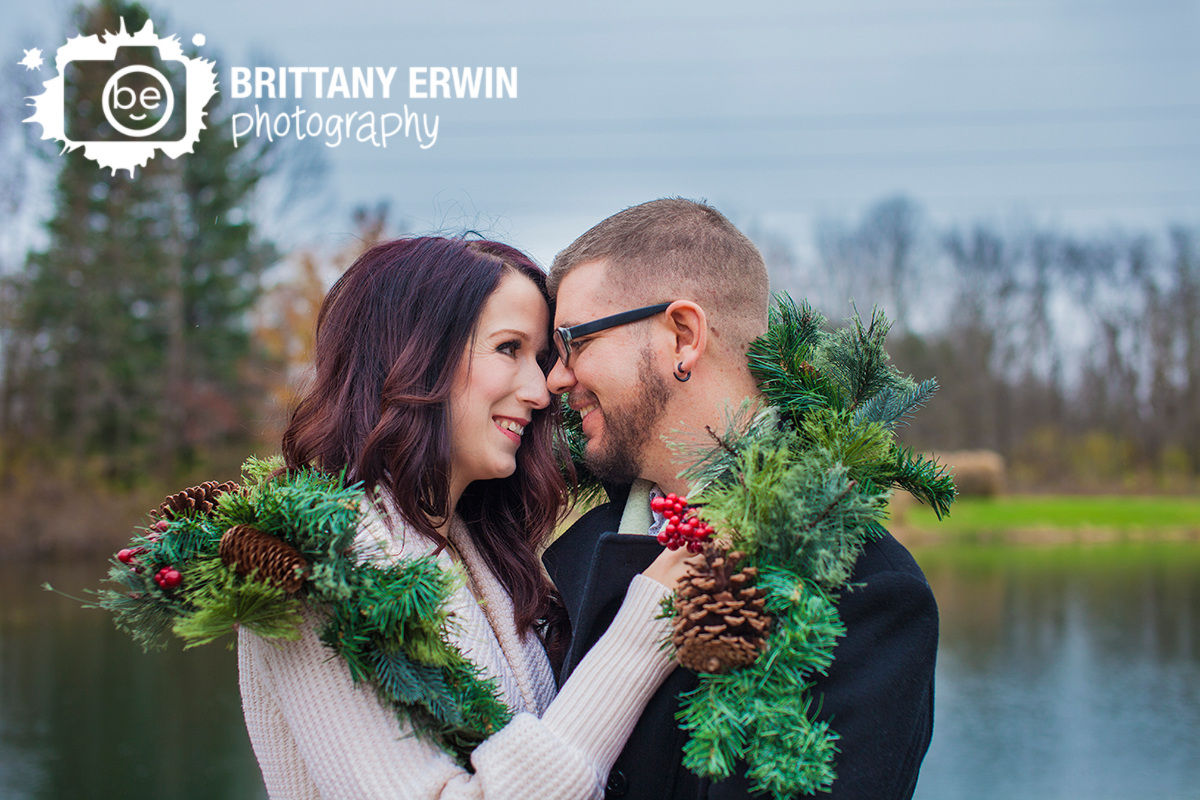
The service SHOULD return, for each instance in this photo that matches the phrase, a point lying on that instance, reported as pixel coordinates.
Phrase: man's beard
(630, 427)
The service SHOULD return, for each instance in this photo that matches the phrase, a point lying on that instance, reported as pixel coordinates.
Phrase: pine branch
(892, 405)
(225, 601)
(711, 464)
(862, 449)
(856, 359)
(401, 681)
(924, 478)
(781, 360)
(720, 442)
(828, 509)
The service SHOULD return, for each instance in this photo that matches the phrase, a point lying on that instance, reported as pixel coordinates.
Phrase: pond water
(1066, 673)
(1062, 673)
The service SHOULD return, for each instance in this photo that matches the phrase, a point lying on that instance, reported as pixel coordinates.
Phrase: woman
(430, 390)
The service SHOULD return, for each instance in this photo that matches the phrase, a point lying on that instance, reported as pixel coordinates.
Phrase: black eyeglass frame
(564, 336)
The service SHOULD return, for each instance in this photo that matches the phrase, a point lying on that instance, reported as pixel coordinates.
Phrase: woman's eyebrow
(523, 335)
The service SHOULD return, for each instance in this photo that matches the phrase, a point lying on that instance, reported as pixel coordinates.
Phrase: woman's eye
(509, 348)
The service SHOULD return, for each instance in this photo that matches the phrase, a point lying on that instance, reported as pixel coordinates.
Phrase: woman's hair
(390, 337)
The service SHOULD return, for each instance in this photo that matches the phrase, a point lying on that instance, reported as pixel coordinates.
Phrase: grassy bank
(1052, 519)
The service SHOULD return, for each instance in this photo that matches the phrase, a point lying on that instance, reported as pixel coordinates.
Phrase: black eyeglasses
(564, 336)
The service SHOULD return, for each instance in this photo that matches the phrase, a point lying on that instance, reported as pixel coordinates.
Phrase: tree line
(138, 338)
(1075, 356)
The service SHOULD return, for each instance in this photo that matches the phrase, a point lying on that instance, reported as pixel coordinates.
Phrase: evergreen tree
(136, 310)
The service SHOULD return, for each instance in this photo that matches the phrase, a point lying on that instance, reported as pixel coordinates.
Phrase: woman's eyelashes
(510, 347)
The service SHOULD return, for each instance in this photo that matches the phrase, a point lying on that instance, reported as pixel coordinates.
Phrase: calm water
(1063, 673)
(1066, 673)
(84, 713)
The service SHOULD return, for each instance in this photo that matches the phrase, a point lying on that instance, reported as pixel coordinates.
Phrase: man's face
(612, 379)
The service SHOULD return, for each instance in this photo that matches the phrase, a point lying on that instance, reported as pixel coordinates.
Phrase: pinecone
(247, 549)
(202, 498)
(720, 624)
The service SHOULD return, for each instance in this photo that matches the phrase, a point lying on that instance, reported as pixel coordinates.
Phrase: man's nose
(561, 379)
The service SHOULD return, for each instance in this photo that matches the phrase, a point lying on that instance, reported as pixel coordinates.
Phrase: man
(699, 292)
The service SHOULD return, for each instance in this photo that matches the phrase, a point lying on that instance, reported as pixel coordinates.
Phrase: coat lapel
(592, 566)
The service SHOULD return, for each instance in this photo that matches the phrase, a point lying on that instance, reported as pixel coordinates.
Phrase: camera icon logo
(137, 90)
(125, 98)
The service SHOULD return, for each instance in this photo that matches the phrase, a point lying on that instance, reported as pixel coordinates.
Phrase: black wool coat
(878, 695)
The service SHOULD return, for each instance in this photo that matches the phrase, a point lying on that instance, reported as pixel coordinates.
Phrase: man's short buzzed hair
(676, 249)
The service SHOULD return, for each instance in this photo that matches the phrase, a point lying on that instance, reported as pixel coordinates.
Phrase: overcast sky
(1078, 114)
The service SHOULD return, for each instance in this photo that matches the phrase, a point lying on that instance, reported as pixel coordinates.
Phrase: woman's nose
(533, 389)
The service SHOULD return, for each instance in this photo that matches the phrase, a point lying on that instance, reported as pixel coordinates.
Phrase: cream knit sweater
(318, 735)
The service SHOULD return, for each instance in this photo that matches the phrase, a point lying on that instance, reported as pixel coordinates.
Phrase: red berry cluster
(684, 528)
(157, 530)
(168, 578)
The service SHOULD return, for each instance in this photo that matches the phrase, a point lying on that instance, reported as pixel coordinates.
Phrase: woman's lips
(510, 427)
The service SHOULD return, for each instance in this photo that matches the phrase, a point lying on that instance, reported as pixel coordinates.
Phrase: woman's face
(499, 383)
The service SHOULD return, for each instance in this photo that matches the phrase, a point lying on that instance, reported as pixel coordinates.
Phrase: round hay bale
(977, 473)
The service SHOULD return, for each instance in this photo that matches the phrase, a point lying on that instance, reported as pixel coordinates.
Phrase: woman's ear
(688, 323)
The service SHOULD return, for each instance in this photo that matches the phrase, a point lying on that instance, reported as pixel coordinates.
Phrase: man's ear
(688, 324)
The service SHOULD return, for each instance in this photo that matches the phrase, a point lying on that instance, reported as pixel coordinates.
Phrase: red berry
(161, 526)
(656, 505)
(694, 547)
(126, 556)
(663, 538)
(168, 577)
(672, 497)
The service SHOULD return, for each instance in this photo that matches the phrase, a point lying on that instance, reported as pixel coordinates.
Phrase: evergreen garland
(388, 621)
(799, 488)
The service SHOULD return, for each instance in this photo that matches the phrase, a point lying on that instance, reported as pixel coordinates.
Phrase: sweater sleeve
(317, 734)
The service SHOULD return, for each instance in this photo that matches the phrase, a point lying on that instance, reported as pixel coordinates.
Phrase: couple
(437, 362)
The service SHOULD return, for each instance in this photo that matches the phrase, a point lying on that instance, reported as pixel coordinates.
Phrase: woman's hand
(670, 566)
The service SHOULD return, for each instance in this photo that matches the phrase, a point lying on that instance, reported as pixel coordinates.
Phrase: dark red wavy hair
(390, 336)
